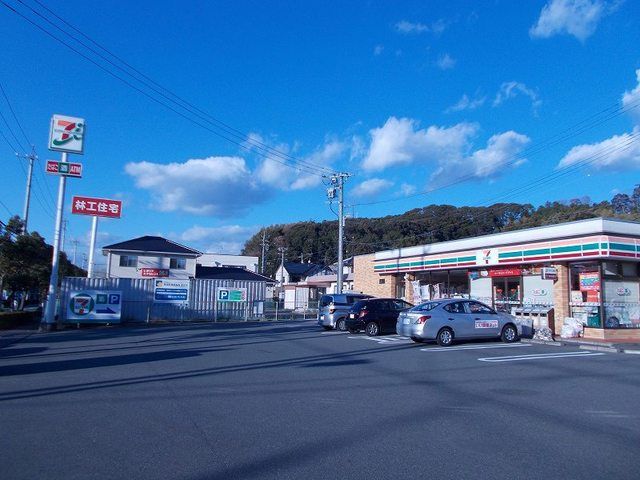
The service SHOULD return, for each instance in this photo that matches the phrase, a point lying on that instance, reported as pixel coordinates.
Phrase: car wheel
(372, 329)
(509, 334)
(353, 330)
(341, 325)
(416, 339)
(327, 327)
(445, 337)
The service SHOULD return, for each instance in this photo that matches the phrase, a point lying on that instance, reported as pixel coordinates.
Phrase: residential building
(149, 257)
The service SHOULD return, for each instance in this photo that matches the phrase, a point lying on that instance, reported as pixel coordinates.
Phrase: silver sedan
(455, 318)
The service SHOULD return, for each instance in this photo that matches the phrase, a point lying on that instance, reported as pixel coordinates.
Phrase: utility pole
(264, 244)
(282, 250)
(337, 182)
(75, 250)
(64, 236)
(27, 196)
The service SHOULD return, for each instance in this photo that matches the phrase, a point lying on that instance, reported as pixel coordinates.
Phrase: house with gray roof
(150, 257)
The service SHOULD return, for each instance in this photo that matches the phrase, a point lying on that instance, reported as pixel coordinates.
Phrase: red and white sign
(154, 272)
(62, 168)
(97, 207)
(505, 272)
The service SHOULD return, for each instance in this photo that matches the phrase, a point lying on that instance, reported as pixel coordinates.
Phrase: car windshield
(425, 307)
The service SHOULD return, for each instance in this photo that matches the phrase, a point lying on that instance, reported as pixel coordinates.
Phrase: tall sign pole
(95, 207)
(92, 246)
(67, 136)
(337, 182)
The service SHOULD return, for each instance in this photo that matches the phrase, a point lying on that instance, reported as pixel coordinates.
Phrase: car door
(486, 322)
(459, 320)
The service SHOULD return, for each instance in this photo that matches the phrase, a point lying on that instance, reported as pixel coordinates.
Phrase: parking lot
(290, 400)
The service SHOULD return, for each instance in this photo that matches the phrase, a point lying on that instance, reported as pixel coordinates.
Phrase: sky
(246, 108)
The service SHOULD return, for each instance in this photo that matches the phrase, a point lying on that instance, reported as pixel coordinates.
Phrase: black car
(375, 315)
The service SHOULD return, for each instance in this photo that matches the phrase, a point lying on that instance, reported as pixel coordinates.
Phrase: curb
(600, 349)
(541, 342)
(584, 346)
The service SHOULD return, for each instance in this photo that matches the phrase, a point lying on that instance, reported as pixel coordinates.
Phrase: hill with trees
(317, 242)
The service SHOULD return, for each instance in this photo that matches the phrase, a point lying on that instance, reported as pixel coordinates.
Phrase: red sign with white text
(154, 272)
(97, 207)
(505, 272)
(64, 168)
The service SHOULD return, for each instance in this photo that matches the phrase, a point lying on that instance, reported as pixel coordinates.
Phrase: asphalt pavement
(291, 401)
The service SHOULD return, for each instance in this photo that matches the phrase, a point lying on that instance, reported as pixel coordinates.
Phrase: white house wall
(149, 261)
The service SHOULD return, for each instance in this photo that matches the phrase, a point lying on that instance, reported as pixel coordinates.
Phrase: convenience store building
(588, 269)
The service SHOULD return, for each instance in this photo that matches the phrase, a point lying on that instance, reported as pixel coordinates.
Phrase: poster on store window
(415, 287)
(589, 281)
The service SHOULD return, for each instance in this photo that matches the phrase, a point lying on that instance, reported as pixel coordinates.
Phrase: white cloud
(620, 152)
(502, 149)
(217, 186)
(509, 90)
(632, 98)
(400, 142)
(273, 172)
(407, 189)
(224, 239)
(406, 27)
(446, 62)
(371, 187)
(579, 18)
(465, 103)
(378, 49)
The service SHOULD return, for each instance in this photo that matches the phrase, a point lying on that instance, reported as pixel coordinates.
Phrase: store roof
(592, 226)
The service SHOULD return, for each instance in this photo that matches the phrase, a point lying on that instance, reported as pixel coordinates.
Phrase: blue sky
(469, 103)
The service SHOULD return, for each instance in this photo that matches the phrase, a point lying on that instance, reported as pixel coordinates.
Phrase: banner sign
(67, 134)
(94, 306)
(96, 207)
(505, 272)
(171, 291)
(63, 168)
(231, 294)
(154, 272)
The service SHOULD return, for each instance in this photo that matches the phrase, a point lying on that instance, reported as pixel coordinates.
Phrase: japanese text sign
(97, 207)
(67, 134)
(63, 168)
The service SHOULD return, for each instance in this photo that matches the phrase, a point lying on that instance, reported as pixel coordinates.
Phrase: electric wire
(179, 100)
(14, 114)
(243, 141)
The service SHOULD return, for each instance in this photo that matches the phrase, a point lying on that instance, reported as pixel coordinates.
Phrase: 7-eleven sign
(67, 134)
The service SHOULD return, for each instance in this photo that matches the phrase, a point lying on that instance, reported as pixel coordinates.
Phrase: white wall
(147, 261)
(221, 260)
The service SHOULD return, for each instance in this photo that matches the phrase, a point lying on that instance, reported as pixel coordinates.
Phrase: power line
(14, 114)
(243, 141)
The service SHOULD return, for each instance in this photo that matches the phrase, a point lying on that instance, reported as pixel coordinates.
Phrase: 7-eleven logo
(67, 134)
(68, 131)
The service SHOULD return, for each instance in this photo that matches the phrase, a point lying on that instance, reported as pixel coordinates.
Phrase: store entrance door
(507, 293)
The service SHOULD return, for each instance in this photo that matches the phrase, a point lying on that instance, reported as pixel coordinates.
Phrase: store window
(585, 300)
(621, 295)
(507, 293)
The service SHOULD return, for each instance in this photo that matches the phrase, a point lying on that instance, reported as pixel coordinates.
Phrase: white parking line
(540, 356)
(386, 340)
(474, 347)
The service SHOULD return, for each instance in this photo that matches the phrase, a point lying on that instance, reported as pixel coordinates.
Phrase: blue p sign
(223, 294)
